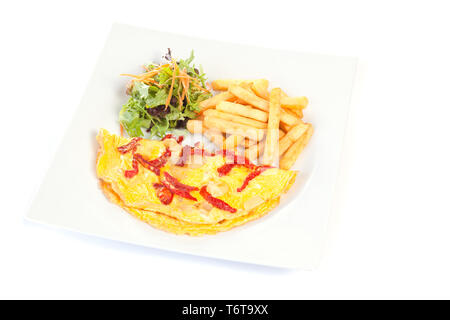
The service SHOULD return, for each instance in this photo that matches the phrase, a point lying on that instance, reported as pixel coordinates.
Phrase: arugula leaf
(137, 114)
(156, 100)
(160, 128)
(140, 90)
(132, 120)
(175, 114)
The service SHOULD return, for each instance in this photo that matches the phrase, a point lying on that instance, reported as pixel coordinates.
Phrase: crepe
(192, 213)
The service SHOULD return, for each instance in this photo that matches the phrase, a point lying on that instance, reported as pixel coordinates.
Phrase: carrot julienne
(169, 96)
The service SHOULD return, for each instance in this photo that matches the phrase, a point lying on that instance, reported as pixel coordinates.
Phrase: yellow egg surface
(139, 197)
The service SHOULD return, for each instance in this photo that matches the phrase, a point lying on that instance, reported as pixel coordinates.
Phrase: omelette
(183, 189)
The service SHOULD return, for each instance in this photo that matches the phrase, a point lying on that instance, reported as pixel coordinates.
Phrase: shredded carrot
(121, 129)
(182, 75)
(129, 75)
(169, 96)
(201, 88)
(185, 82)
(147, 81)
(148, 74)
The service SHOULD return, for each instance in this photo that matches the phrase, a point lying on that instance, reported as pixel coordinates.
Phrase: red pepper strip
(225, 169)
(252, 176)
(146, 164)
(162, 160)
(131, 173)
(131, 146)
(222, 205)
(179, 192)
(177, 184)
(167, 136)
(170, 136)
(163, 193)
(153, 165)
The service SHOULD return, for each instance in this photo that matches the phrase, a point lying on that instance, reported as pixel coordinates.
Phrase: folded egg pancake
(173, 225)
(203, 195)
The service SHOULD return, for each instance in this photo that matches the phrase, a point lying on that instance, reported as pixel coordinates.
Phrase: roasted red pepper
(252, 176)
(153, 165)
(170, 136)
(215, 202)
(177, 184)
(225, 169)
(163, 193)
(131, 146)
(178, 188)
(131, 173)
(179, 192)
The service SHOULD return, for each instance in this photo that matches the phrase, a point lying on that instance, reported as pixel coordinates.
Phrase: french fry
(260, 88)
(237, 100)
(241, 110)
(235, 118)
(215, 136)
(291, 136)
(254, 151)
(291, 155)
(234, 128)
(297, 112)
(232, 141)
(292, 111)
(272, 127)
(224, 84)
(197, 126)
(285, 127)
(287, 118)
(247, 143)
(260, 103)
(249, 97)
(294, 102)
(213, 101)
(194, 126)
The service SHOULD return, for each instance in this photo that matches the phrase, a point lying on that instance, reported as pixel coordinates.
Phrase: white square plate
(290, 236)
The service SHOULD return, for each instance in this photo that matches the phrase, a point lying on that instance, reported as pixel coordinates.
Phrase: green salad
(164, 97)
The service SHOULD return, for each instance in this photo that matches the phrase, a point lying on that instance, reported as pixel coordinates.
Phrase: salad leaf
(132, 120)
(147, 107)
(140, 89)
(156, 99)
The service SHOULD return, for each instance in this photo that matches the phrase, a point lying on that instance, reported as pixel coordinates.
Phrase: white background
(390, 232)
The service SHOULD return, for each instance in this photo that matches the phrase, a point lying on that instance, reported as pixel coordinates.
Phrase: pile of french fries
(246, 117)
